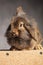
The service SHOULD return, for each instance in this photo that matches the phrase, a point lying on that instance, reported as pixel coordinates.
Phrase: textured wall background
(33, 8)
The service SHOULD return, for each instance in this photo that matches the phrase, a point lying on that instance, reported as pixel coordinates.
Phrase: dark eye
(21, 25)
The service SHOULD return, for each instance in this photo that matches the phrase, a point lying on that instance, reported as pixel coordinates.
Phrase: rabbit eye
(21, 25)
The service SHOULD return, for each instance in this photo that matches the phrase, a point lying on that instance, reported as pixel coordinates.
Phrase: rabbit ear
(30, 31)
(34, 30)
(36, 34)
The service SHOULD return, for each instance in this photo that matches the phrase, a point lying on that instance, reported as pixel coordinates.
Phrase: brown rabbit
(22, 34)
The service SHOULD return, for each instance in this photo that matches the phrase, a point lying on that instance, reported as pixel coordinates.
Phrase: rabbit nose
(15, 32)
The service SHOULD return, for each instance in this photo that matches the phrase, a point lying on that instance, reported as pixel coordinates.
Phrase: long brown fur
(30, 40)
